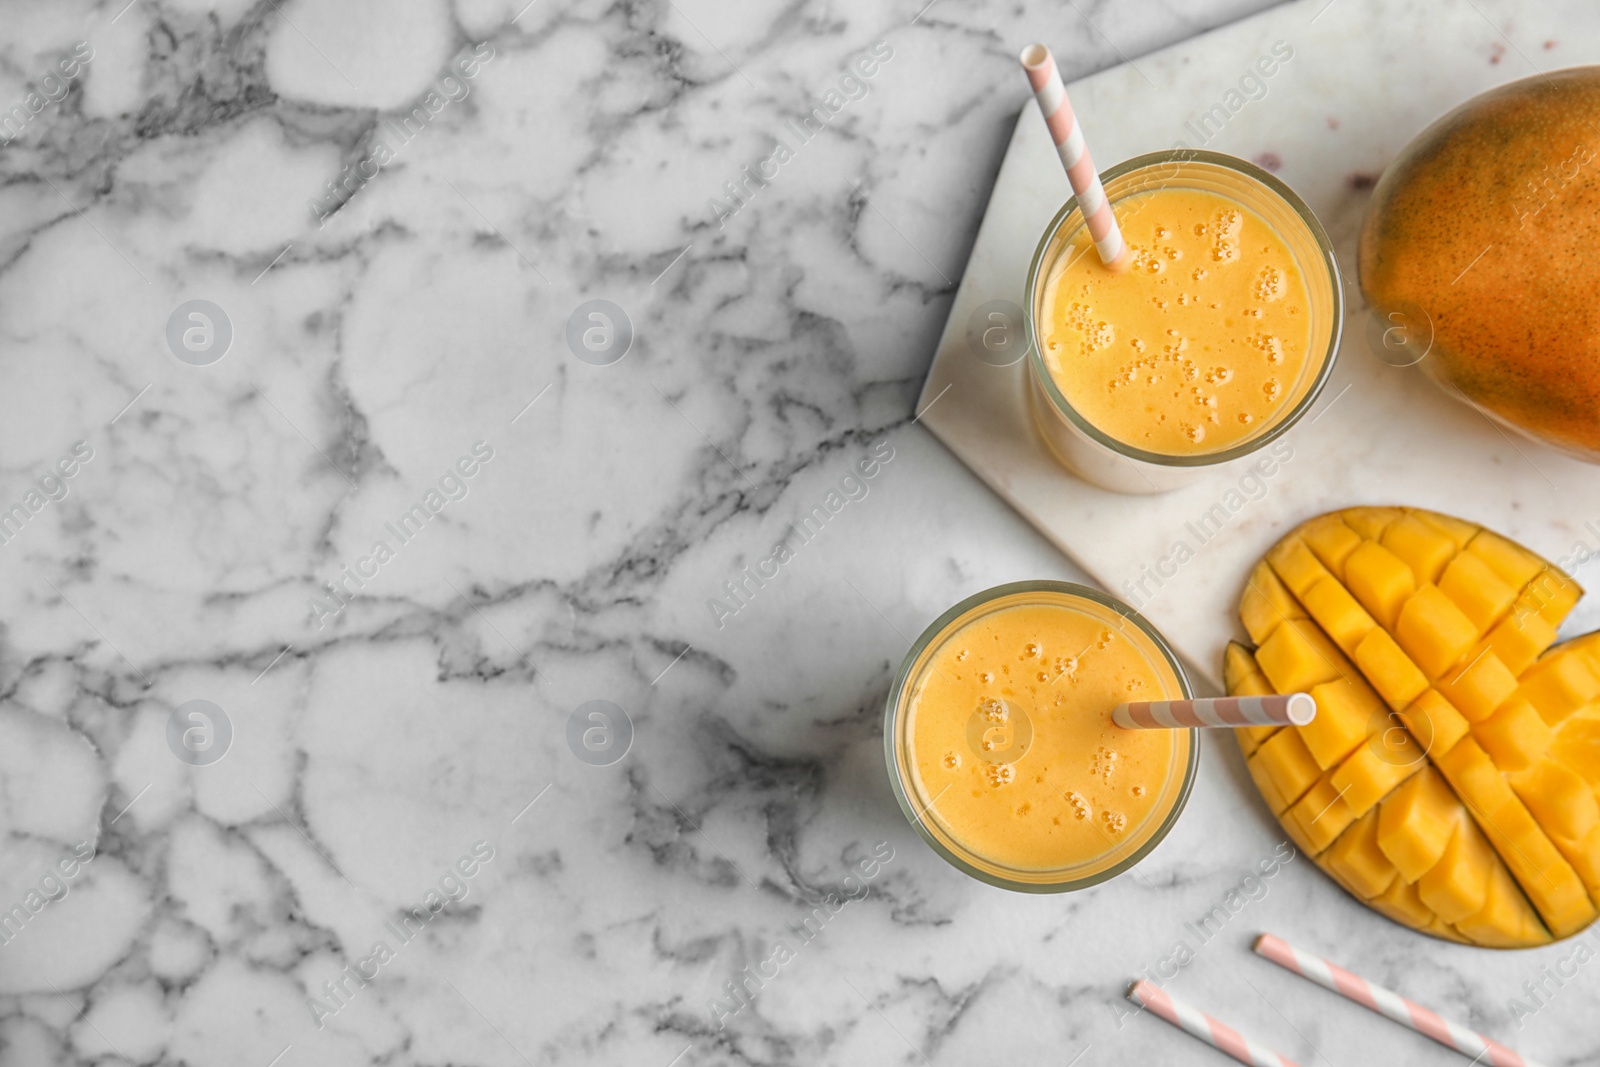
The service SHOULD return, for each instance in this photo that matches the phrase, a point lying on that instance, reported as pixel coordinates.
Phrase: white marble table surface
(400, 857)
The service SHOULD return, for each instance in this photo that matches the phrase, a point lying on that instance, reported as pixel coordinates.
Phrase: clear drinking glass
(1120, 854)
(1111, 464)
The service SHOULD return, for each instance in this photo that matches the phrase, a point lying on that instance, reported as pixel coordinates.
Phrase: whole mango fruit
(1483, 238)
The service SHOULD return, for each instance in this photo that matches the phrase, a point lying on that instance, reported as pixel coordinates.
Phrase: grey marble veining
(421, 846)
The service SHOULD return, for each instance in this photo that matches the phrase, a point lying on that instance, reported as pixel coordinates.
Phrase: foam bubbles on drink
(1131, 343)
(1269, 283)
(1104, 763)
(1080, 806)
(1269, 346)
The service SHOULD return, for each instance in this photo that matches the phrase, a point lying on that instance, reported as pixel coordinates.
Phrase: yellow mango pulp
(1451, 778)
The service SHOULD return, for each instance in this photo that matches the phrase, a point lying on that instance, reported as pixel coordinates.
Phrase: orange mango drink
(1004, 745)
(1199, 344)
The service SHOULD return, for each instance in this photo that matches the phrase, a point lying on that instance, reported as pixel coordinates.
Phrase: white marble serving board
(1327, 124)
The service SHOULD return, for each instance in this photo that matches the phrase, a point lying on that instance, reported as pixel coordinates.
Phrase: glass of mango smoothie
(1213, 343)
(1000, 744)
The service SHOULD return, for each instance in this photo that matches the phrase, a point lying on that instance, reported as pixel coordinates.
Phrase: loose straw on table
(1287, 709)
(1068, 137)
(1388, 1004)
(1199, 1024)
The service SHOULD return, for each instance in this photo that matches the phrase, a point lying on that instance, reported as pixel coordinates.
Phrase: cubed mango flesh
(1299, 568)
(1451, 777)
(1543, 873)
(1506, 919)
(1337, 612)
(1559, 685)
(1331, 540)
(1515, 565)
(1456, 887)
(1402, 903)
(1240, 674)
(1242, 677)
(1371, 522)
(1424, 548)
(1372, 771)
(1433, 722)
(1389, 669)
(1479, 688)
(1584, 855)
(1345, 715)
(1515, 736)
(1298, 656)
(1265, 604)
(1415, 823)
(1358, 862)
(1286, 762)
(1481, 594)
(1380, 580)
(1322, 815)
(1577, 745)
(1459, 531)
(1558, 798)
(1551, 596)
(1518, 641)
(1433, 631)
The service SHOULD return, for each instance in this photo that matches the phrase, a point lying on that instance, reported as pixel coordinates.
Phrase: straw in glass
(1068, 137)
(1285, 709)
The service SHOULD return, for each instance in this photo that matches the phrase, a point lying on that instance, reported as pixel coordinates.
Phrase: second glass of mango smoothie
(1212, 343)
(1000, 743)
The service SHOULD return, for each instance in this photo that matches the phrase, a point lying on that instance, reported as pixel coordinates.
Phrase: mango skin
(1512, 176)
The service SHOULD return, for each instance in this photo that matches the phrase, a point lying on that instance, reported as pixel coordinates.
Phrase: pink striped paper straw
(1203, 1026)
(1389, 1004)
(1068, 137)
(1286, 709)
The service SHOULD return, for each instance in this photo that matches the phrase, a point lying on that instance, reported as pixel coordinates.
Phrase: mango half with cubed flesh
(1479, 255)
(1451, 777)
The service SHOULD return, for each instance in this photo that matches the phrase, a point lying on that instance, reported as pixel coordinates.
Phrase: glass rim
(937, 629)
(1319, 235)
